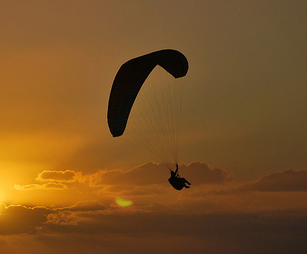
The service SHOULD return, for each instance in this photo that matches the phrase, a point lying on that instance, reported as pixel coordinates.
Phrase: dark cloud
(147, 180)
(18, 219)
(288, 180)
(158, 173)
(280, 231)
(202, 173)
(149, 173)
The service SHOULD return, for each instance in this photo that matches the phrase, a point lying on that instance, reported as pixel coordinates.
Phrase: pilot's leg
(186, 181)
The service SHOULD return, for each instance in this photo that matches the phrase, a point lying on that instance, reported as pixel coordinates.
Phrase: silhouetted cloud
(146, 185)
(288, 180)
(19, 219)
(217, 232)
(149, 173)
(194, 216)
(202, 173)
(157, 173)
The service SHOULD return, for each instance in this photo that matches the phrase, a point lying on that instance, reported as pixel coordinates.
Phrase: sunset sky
(68, 186)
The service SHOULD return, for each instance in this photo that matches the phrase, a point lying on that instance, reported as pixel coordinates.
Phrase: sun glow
(2, 207)
(2, 195)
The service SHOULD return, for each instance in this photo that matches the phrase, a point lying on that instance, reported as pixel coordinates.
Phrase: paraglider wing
(130, 78)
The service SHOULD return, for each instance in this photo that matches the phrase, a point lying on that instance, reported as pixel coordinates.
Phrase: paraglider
(176, 181)
(129, 80)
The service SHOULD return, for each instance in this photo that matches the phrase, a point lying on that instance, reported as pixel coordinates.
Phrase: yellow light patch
(123, 202)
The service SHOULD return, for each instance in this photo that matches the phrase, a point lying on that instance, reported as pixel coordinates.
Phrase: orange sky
(243, 139)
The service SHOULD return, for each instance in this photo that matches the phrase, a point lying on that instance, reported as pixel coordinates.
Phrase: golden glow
(243, 112)
(123, 202)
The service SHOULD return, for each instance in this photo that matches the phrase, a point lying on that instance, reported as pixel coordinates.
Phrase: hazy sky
(243, 138)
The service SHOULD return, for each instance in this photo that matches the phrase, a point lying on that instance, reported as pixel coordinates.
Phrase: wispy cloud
(288, 180)
(46, 186)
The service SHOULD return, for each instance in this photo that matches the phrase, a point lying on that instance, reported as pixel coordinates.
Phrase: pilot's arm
(176, 168)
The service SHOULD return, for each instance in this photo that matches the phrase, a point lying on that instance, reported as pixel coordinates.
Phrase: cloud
(145, 175)
(144, 185)
(47, 186)
(19, 219)
(216, 232)
(78, 213)
(86, 206)
(54, 180)
(57, 176)
(288, 180)
(157, 173)
(202, 173)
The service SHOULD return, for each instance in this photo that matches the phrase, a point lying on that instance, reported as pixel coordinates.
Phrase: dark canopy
(130, 78)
